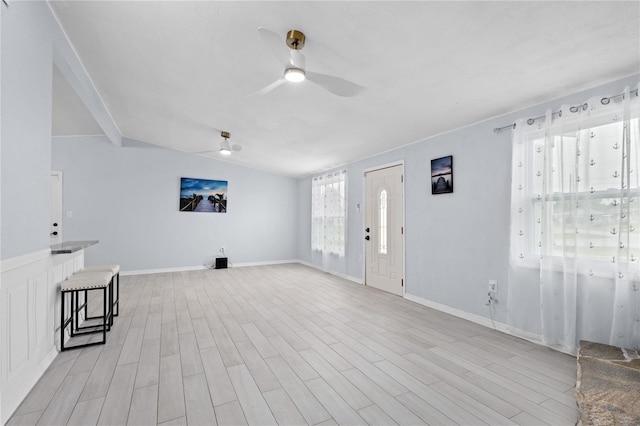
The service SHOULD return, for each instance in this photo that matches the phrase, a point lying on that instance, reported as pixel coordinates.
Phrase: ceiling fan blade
(336, 85)
(268, 88)
(276, 44)
(204, 152)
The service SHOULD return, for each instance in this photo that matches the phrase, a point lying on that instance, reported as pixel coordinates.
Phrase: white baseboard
(337, 274)
(353, 279)
(200, 267)
(265, 263)
(478, 319)
(162, 270)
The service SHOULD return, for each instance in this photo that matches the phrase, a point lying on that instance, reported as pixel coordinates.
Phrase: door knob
(55, 223)
(54, 233)
(367, 238)
(367, 230)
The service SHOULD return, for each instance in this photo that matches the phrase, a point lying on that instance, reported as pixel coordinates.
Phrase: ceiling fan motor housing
(295, 39)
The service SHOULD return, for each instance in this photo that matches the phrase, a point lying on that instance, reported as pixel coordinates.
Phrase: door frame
(404, 228)
(59, 196)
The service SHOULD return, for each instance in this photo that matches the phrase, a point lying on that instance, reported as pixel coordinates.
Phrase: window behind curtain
(328, 211)
(589, 191)
(577, 191)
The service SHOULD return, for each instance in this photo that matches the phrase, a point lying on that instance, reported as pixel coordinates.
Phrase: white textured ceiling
(176, 73)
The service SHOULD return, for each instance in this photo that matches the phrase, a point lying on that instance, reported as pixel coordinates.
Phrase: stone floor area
(608, 387)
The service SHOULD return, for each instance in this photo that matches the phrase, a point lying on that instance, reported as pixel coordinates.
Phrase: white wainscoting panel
(18, 340)
(29, 318)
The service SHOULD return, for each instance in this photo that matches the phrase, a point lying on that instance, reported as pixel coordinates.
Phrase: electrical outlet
(493, 286)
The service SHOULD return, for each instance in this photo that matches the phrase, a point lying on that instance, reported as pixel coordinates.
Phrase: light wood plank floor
(287, 344)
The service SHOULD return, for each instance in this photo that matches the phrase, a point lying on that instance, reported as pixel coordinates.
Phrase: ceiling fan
(225, 146)
(289, 55)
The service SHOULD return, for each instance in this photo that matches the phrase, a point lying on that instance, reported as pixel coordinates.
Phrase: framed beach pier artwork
(203, 195)
(442, 175)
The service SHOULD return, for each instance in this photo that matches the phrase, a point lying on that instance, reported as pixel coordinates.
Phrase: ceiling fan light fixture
(225, 148)
(294, 75)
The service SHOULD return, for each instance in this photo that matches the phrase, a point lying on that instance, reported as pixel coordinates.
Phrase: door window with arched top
(382, 224)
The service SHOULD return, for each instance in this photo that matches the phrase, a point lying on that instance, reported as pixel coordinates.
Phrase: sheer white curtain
(576, 218)
(328, 217)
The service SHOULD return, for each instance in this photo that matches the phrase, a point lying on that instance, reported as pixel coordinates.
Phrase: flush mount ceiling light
(294, 75)
(225, 148)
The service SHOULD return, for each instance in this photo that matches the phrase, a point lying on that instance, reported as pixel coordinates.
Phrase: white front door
(384, 248)
(56, 208)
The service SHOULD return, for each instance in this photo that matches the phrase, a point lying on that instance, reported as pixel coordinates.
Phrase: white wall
(128, 199)
(26, 127)
(456, 242)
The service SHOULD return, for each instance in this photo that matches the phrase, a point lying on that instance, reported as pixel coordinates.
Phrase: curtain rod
(575, 108)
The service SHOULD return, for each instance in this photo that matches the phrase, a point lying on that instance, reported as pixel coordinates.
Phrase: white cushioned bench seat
(115, 293)
(87, 280)
(114, 269)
